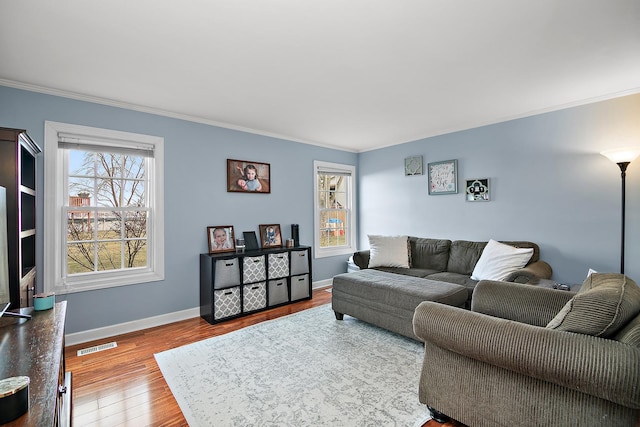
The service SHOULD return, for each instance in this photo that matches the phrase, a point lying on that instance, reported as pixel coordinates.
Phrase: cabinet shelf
(18, 153)
(236, 284)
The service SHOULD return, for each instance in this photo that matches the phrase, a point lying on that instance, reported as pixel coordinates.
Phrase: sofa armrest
(596, 366)
(522, 303)
(532, 272)
(361, 259)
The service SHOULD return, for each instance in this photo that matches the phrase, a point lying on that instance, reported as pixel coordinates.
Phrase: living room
(548, 184)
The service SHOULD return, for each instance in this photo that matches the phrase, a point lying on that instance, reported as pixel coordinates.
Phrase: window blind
(97, 144)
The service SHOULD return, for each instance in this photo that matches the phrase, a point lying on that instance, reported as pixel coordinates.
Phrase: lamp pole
(622, 157)
(623, 174)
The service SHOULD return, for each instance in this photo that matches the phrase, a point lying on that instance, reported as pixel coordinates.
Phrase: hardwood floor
(123, 386)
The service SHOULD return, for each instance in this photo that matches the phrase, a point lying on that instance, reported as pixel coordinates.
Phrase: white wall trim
(149, 322)
(322, 283)
(133, 326)
(160, 112)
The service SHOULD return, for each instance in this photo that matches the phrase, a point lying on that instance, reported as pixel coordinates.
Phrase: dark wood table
(35, 348)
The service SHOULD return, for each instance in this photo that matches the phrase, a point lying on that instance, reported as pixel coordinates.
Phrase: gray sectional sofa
(454, 261)
(439, 270)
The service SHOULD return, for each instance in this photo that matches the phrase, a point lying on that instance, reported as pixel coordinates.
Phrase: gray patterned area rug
(305, 369)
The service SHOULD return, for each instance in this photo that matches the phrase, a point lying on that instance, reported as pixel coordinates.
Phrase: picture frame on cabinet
(221, 238)
(250, 240)
(244, 176)
(477, 190)
(270, 236)
(443, 177)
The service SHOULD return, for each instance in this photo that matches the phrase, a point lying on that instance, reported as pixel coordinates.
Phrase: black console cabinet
(235, 284)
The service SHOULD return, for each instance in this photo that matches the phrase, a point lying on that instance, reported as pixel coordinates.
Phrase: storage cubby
(254, 296)
(235, 284)
(278, 292)
(299, 287)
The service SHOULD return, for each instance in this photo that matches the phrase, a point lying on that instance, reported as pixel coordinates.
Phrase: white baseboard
(133, 326)
(322, 283)
(149, 322)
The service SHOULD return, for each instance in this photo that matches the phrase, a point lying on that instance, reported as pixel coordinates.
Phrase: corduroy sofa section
(514, 371)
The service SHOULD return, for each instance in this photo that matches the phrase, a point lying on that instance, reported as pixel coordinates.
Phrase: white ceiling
(352, 74)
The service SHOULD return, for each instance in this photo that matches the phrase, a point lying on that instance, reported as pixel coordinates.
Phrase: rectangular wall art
(413, 166)
(244, 176)
(443, 177)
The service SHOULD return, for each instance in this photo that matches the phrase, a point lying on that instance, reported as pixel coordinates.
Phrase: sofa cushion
(386, 291)
(498, 261)
(630, 334)
(463, 256)
(604, 304)
(457, 278)
(523, 244)
(388, 251)
(414, 272)
(429, 254)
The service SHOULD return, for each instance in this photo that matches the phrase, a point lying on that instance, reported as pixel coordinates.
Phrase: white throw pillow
(499, 260)
(388, 251)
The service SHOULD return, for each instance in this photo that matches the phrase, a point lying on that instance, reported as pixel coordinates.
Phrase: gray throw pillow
(604, 304)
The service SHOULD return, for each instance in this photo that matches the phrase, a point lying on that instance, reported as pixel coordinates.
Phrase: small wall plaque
(413, 166)
(477, 190)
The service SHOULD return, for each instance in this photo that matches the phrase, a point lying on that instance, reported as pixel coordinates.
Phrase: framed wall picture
(244, 176)
(477, 190)
(270, 235)
(443, 177)
(221, 239)
(413, 166)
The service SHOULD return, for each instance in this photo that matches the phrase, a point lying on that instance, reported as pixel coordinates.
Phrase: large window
(335, 225)
(103, 209)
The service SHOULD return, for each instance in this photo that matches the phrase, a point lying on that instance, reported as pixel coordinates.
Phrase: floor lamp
(622, 157)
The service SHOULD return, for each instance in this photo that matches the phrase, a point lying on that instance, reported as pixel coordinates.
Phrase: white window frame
(55, 225)
(350, 247)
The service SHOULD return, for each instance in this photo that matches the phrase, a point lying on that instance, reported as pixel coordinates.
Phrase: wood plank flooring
(124, 386)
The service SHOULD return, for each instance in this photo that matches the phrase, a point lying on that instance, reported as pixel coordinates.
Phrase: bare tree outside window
(107, 212)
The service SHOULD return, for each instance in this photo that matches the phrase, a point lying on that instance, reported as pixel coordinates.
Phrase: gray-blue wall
(549, 184)
(195, 197)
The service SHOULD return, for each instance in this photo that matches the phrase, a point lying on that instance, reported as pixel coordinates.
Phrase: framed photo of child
(221, 239)
(270, 236)
(244, 176)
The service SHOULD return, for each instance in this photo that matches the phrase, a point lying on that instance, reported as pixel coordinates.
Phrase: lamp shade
(620, 155)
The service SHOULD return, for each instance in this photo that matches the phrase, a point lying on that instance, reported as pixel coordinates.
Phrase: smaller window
(334, 207)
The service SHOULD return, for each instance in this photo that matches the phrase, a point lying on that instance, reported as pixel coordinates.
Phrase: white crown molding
(469, 126)
(189, 118)
(156, 111)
